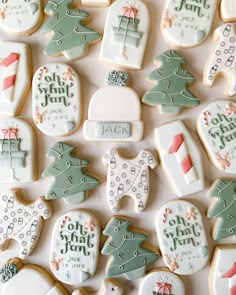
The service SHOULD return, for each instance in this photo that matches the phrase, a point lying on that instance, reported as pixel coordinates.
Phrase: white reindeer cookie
(28, 279)
(182, 237)
(109, 287)
(17, 151)
(56, 98)
(126, 33)
(96, 3)
(21, 221)
(187, 23)
(128, 177)
(180, 158)
(21, 17)
(222, 275)
(216, 127)
(228, 10)
(222, 60)
(15, 76)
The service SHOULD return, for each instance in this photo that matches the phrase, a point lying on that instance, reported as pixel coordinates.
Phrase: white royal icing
(20, 16)
(187, 23)
(161, 282)
(182, 237)
(75, 247)
(217, 130)
(17, 151)
(128, 177)
(14, 62)
(56, 103)
(126, 32)
(228, 10)
(180, 158)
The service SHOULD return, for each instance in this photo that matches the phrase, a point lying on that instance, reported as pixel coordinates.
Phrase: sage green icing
(200, 35)
(8, 271)
(171, 82)
(84, 276)
(117, 78)
(113, 130)
(129, 256)
(70, 180)
(224, 208)
(75, 199)
(68, 30)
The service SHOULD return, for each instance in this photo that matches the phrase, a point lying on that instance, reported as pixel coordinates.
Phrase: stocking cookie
(170, 93)
(15, 76)
(129, 254)
(70, 36)
(109, 287)
(28, 279)
(161, 281)
(75, 247)
(180, 158)
(128, 177)
(56, 103)
(96, 3)
(71, 182)
(126, 32)
(187, 24)
(21, 17)
(182, 237)
(223, 270)
(223, 208)
(216, 127)
(228, 10)
(115, 121)
(17, 151)
(21, 221)
(222, 59)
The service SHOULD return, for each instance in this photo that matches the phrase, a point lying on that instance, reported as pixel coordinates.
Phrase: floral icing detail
(7, 272)
(117, 78)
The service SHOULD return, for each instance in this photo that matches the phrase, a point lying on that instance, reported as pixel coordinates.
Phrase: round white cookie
(56, 106)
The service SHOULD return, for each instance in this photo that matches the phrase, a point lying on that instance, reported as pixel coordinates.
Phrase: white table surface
(92, 74)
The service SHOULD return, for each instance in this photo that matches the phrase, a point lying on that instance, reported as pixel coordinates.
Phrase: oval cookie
(20, 16)
(161, 281)
(109, 287)
(56, 99)
(182, 237)
(187, 23)
(216, 127)
(75, 247)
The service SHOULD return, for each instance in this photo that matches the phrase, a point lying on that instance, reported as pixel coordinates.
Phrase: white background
(92, 74)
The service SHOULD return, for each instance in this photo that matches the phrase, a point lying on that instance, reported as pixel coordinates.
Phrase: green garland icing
(117, 78)
(125, 246)
(7, 272)
(171, 82)
(225, 208)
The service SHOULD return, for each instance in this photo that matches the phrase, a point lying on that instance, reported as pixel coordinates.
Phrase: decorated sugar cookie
(228, 10)
(71, 182)
(65, 26)
(180, 158)
(223, 270)
(126, 32)
(15, 76)
(56, 103)
(187, 23)
(223, 208)
(216, 127)
(109, 287)
(128, 177)
(161, 282)
(75, 247)
(115, 121)
(97, 3)
(21, 221)
(17, 151)
(182, 237)
(21, 17)
(129, 254)
(28, 279)
(170, 93)
(221, 61)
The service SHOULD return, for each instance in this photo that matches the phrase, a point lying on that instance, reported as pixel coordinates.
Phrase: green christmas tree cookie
(130, 256)
(170, 93)
(70, 180)
(66, 25)
(224, 208)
